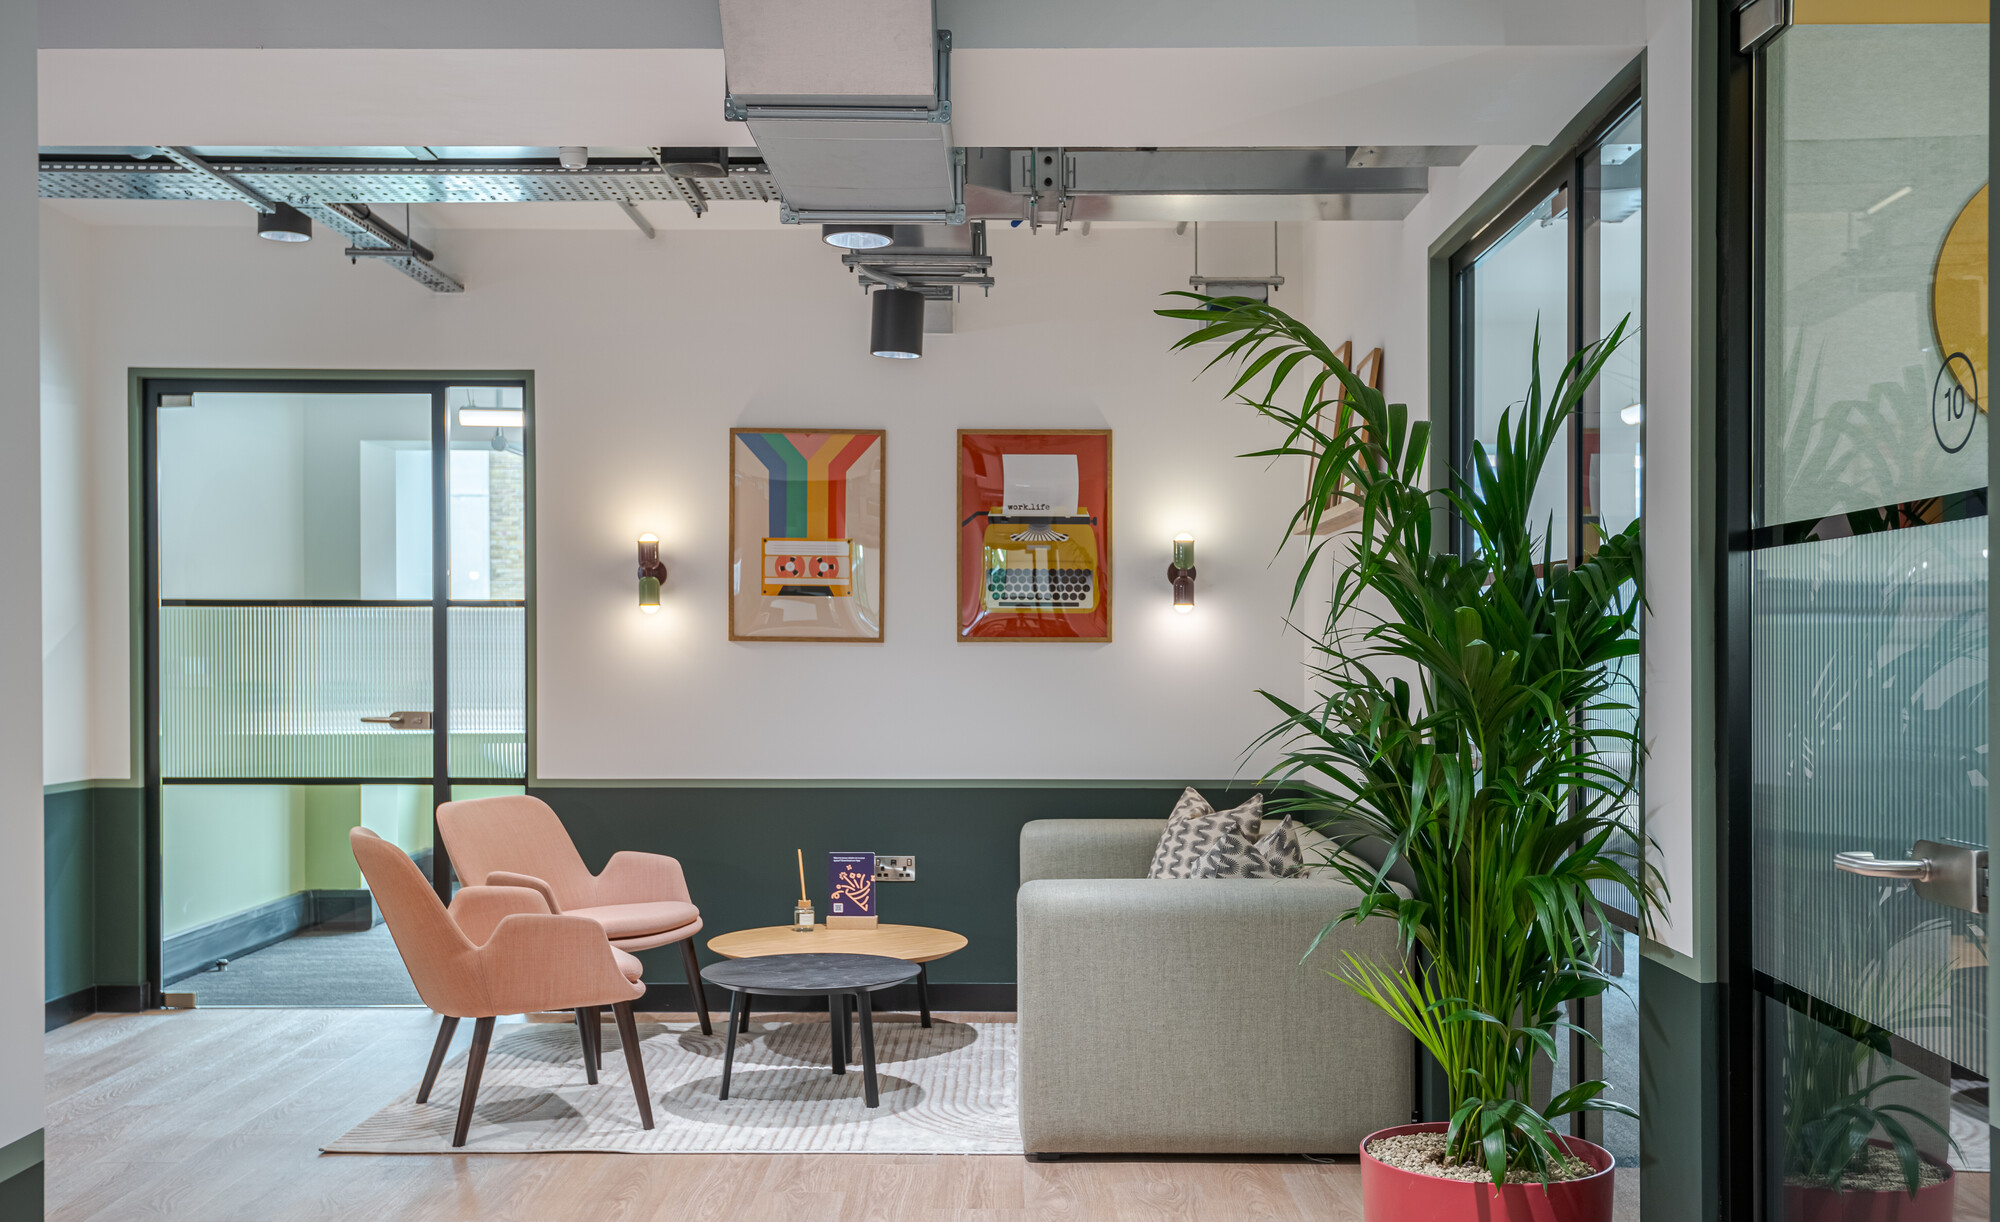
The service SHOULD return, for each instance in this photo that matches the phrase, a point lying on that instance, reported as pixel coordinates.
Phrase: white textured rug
(946, 1090)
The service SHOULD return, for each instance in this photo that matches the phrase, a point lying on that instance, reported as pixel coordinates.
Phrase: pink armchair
(640, 900)
(498, 950)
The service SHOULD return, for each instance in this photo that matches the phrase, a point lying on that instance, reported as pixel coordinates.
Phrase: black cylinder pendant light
(284, 223)
(898, 330)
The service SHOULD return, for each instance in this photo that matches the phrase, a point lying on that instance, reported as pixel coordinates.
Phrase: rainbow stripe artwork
(808, 472)
(805, 526)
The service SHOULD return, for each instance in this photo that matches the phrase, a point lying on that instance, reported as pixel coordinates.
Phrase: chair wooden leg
(635, 1061)
(586, 1018)
(475, 1065)
(446, 1030)
(597, 1036)
(693, 966)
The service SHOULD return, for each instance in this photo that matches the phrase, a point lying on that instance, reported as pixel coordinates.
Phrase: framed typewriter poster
(1034, 535)
(805, 534)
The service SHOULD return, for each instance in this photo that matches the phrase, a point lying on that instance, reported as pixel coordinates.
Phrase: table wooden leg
(865, 1002)
(924, 993)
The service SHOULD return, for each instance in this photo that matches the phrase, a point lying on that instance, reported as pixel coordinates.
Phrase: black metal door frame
(151, 392)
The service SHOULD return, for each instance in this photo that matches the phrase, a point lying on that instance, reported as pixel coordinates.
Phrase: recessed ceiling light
(858, 237)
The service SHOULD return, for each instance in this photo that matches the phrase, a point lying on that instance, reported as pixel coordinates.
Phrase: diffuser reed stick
(802, 876)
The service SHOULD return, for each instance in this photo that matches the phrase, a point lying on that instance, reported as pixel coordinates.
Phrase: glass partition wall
(337, 578)
(1858, 594)
(1561, 268)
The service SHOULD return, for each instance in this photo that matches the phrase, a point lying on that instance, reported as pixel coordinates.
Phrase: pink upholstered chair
(641, 899)
(498, 950)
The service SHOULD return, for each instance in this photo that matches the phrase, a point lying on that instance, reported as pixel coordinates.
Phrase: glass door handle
(403, 721)
(1943, 871)
(1880, 867)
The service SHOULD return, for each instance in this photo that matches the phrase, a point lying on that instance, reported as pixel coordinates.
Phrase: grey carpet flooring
(310, 970)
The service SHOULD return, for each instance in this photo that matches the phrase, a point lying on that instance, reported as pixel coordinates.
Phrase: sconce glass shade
(651, 573)
(1180, 573)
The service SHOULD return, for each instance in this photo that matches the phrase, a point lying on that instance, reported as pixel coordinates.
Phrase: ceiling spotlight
(284, 223)
(858, 237)
(898, 329)
(573, 156)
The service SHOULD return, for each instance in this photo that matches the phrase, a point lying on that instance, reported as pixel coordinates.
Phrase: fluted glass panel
(489, 692)
(1871, 733)
(280, 691)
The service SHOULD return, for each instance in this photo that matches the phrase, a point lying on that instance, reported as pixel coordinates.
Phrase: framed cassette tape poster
(805, 532)
(1034, 535)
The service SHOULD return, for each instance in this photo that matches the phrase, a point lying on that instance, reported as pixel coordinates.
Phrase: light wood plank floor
(217, 1115)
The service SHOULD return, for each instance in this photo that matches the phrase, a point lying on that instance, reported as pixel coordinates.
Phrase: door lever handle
(403, 721)
(1943, 871)
(1883, 867)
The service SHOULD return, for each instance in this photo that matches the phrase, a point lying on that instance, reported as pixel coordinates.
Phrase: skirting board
(97, 999)
(197, 949)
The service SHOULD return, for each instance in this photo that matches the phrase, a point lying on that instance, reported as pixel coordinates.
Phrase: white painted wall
(67, 506)
(20, 560)
(645, 354)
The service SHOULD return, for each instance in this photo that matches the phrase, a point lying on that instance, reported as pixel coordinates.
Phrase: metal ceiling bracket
(637, 217)
(1759, 21)
(228, 184)
(371, 237)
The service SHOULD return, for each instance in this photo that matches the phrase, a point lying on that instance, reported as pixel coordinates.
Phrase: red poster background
(979, 488)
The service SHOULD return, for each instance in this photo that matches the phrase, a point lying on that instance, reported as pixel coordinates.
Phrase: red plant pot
(1932, 1204)
(1391, 1194)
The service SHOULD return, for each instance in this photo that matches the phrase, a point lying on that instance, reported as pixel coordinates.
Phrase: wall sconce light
(1180, 572)
(652, 574)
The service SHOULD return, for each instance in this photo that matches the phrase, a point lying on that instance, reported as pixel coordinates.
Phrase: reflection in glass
(1520, 284)
(293, 496)
(487, 427)
(1877, 138)
(1871, 732)
(1858, 1129)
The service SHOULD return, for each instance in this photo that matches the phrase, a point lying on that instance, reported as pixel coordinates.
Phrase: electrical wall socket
(895, 869)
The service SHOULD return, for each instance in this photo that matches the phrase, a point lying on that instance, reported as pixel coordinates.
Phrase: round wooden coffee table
(918, 944)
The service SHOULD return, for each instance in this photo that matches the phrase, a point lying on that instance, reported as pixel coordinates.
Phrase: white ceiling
(1113, 73)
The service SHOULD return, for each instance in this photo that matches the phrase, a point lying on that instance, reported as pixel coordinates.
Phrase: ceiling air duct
(849, 103)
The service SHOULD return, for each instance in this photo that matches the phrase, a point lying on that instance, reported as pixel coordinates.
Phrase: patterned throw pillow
(1280, 854)
(1196, 829)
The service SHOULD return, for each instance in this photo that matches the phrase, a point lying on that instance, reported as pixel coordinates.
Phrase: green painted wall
(94, 931)
(227, 848)
(69, 863)
(736, 846)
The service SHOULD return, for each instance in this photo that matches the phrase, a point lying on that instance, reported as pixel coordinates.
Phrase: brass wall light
(652, 574)
(1180, 572)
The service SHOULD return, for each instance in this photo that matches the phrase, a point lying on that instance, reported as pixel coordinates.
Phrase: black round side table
(844, 980)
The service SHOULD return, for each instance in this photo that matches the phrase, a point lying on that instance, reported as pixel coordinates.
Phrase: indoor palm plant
(1471, 719)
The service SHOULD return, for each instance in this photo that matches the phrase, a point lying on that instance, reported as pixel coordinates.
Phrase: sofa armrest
(1088, 848)
(1175, 1016)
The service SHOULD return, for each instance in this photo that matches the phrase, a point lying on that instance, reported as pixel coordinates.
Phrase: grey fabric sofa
(1170, 1016)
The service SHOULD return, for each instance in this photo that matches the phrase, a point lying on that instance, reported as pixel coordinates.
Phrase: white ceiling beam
(1228, 97)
